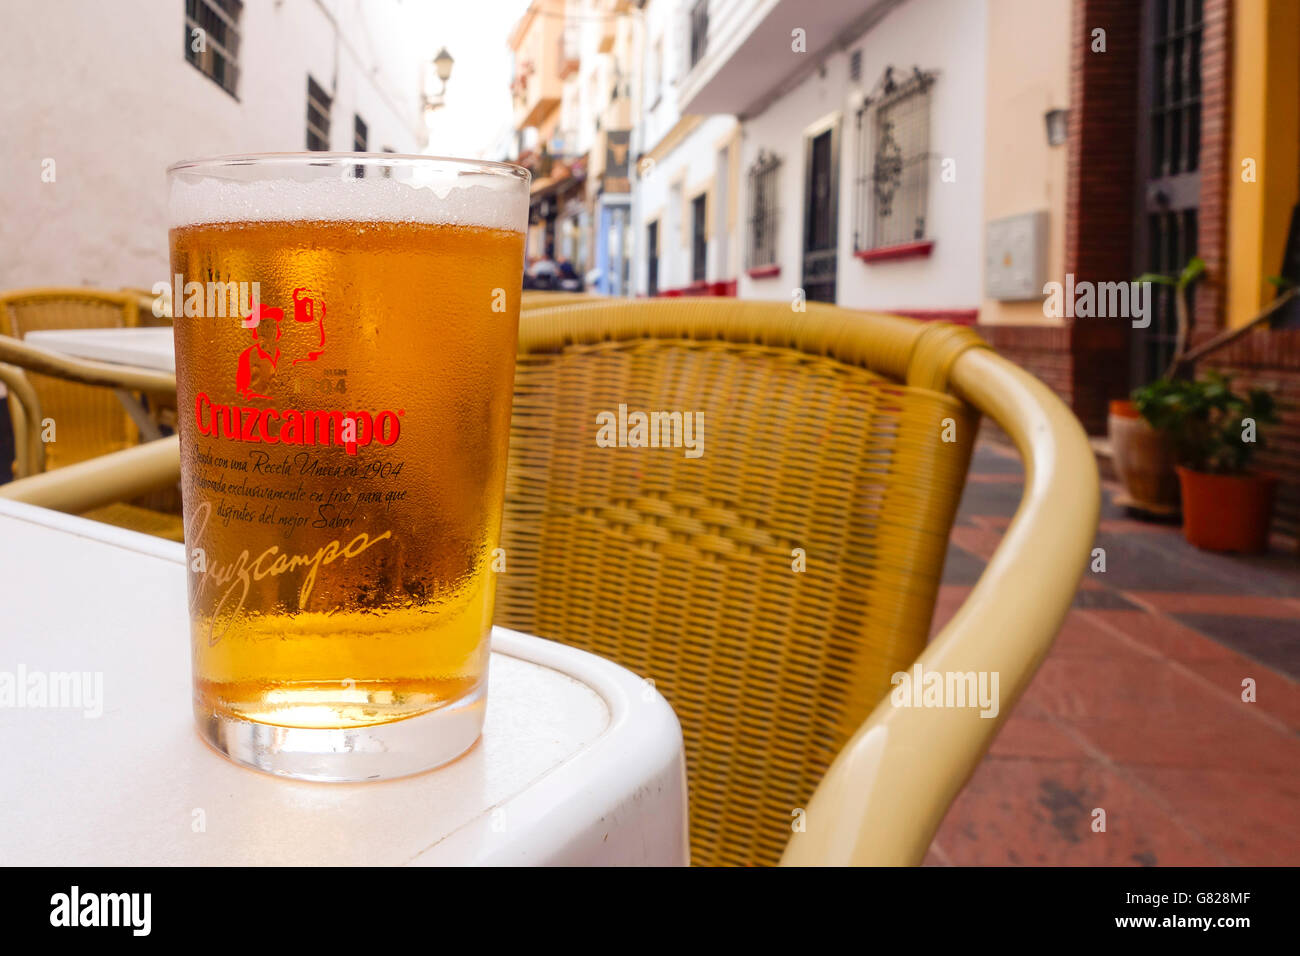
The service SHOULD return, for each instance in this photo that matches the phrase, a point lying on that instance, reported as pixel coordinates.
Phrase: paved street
(1137, 710)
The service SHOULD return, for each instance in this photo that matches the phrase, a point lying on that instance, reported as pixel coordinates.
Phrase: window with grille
(212, 40)
(652, 258)
(762, 211)
(1170, 190)
(1175, 111)
(318, 116)
(699, 30)
(894, 162)
(699, 237)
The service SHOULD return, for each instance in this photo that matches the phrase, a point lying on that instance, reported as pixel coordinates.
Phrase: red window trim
(764, 272)
(904, 250)
(957, 316)
(723, 287)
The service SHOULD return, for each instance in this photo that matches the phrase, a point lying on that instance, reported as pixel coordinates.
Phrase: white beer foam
(498, 203)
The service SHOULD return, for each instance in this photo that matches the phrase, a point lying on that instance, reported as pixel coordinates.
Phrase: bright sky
(477, 107)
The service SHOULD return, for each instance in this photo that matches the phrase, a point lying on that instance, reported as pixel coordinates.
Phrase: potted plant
(1143, 457)
(1214, 433)
(1143, 461)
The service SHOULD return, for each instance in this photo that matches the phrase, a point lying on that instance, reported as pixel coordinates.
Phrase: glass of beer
(345, 329)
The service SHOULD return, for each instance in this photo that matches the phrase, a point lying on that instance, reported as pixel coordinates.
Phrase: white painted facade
(697, 164)
(105, 91)
(752, 68)
(664, 194)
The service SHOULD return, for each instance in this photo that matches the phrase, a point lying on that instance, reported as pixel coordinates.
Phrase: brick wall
(1212, 214)
(1099, 348)
(1041, 350)
(1084, 363)
(1103, 127)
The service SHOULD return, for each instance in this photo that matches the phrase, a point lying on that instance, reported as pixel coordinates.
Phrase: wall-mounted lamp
(1058, 126)
(442, 64)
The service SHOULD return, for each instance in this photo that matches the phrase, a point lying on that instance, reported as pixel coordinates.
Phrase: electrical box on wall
(1015, 257)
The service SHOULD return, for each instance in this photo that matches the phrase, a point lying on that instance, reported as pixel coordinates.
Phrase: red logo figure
(305, 343)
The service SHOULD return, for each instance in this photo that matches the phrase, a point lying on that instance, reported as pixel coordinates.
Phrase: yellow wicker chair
(91, 421)
(825, 436)
(536, 299)
(94, 493)
(145, 300)
(833, 438)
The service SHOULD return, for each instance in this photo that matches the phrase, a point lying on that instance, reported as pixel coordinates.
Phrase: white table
(145, 347)
(580, 762)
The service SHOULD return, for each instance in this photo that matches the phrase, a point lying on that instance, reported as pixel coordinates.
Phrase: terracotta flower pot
(1227, 512)
(1143, 460)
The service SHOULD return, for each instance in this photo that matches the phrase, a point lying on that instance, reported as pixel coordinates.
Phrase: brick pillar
(1103, 129)
(1100, 189)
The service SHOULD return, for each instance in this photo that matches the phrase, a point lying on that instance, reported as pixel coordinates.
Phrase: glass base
(354, 754)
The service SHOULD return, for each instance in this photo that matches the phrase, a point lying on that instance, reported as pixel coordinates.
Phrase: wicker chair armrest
(886, 793)
(118, 476)
(29, 450)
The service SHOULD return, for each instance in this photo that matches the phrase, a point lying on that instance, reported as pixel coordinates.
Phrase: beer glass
(345, 329)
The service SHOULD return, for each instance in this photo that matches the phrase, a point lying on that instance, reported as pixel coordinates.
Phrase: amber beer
(344, 437)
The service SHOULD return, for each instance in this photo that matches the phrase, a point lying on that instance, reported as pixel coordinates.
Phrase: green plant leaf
(1157, 278)
(1194, 269)
(1203, 419)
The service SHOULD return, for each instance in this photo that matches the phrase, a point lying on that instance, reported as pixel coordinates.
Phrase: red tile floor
(1138, 708)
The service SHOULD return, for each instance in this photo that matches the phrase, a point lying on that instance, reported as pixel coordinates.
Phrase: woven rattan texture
(682, 569)
(89, 421)
(134, 518)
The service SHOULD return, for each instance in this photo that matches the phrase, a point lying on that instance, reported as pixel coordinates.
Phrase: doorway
(1169, 169)
(821, 202)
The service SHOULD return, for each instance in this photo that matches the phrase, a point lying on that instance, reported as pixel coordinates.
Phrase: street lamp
(442, 64)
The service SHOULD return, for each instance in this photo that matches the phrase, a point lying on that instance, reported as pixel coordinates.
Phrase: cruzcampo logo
(278, 349)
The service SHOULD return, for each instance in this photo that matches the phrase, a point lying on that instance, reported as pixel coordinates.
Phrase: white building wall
(664, 193)
(589, 81)
(105, 91)
(663, 190)
(659, 99)
(951, 277)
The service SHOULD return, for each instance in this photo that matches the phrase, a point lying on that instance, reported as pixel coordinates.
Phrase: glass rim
(485, 167)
